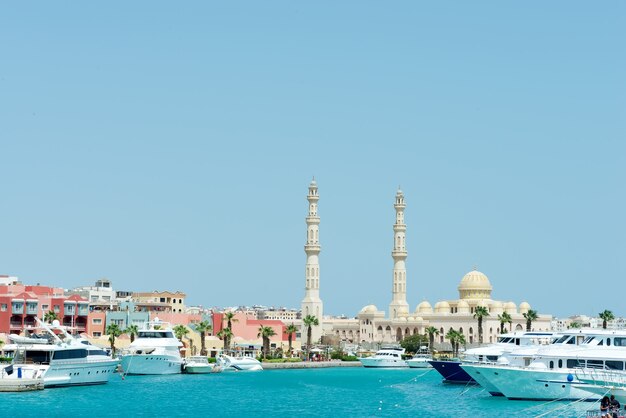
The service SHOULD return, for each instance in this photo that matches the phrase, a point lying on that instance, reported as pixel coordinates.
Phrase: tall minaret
(312, 304)
(398, 303)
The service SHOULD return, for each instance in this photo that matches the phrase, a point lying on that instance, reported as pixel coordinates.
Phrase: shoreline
(310, 365)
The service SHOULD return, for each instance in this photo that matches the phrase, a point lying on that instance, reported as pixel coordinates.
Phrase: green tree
(606, 316)
(132, 331)
(290, 330)
(50, 316)
(113, 331)
(575, 325)
(203, 327)
(309, 321)
(453, 337)
(480, 312)
(431, 332)
(225, 334)
(412, 343)
(505, 318)
(230, 318)
(460, 340)
(530, 316)
(266, 333)
(180, 331)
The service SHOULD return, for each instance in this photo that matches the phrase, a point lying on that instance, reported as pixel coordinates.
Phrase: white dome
(424, 307)
(510, 308)
(442, 307)
(403, 311)
(369, 309)
(524, 307)
(475, 285)
(463, 307)
(496, 307)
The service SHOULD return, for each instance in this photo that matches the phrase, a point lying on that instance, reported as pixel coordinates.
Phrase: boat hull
(383, 363)
(151, 364)
(419, 363)
(198, 369)
(451, 371)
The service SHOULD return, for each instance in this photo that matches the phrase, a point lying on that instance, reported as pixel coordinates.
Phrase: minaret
(398, 303)
(312, 304)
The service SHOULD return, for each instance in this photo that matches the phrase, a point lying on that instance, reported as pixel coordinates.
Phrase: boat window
(572, 340)
(492, 358)
(97, 353)
(562, 339)
(155, 334)
(37, 356)
(614, 365)
(560, 363)
(595, 364)
(551, 364)
(601, 342)
(619, 341)
(588, 340)
(574, 363)
(608, 341)
(69, 354)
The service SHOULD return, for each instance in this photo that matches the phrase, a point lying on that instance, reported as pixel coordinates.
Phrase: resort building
(159, 301)
(372, 325)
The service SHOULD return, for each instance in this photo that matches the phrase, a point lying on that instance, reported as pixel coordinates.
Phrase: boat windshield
(155, 334)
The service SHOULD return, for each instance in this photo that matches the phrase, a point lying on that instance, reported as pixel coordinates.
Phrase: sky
(170, 146)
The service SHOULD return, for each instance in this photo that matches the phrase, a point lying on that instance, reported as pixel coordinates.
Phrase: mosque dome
(442, 307)
(463, 307)
(510, 308)
(369, 309)
(496, 307)
(410, 318)
(524, 307)
(418, 319)
(424, 307)
(475, 285)
(403, 311)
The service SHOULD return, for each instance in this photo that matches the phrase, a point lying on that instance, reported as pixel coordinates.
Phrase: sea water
(331, 392)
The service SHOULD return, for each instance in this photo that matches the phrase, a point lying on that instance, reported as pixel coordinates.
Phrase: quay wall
(310, 365)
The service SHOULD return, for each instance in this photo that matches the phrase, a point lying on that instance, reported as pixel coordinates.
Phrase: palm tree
(505, 318)
(452, 335)
(113, 331)
(575, 325)
(225, 334)
(202, 328)
(266, 333)
(530, 316)
(431, 331)
(460, 339)
(230, 318)
(132, 330)
(606, 316)
(309, 321)
(479, 313)
(180, 331)
(290, 330)
(50, 316)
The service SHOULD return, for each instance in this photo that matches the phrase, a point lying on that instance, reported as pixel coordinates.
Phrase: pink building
(247, 326)
(176, 318)
(21, 304)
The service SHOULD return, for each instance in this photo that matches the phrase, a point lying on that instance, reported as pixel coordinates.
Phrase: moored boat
(230, 363)
(387, 357)
(21, 379)
(200, 365)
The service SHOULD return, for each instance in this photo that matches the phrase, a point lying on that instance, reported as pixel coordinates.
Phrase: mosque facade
(372, 325)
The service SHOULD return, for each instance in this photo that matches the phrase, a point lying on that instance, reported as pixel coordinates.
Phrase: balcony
(16, 325)
(31, 310)
(17, 309)
(83, 310)
(69, 310)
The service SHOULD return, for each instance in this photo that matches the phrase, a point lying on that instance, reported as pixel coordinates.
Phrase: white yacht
(420, 360)
(555, 371)
(230, 363)
(387, 357)
(60, 358)
(155, 351)
(200, 365)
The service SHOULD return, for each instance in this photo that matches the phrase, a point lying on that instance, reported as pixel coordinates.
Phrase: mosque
(372, 325)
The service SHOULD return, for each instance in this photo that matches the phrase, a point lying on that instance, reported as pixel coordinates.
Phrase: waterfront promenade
(310, 365)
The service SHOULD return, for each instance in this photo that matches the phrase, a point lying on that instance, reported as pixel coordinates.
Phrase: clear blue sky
(169, 146)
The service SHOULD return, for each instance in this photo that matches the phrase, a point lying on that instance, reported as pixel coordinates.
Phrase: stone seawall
(310, 365)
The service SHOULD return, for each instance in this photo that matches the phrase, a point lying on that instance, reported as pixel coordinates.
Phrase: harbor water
(330, 392)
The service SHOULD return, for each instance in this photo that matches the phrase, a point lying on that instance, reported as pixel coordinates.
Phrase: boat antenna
(45, 326)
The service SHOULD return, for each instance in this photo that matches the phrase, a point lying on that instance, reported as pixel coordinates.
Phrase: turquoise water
(334, 392)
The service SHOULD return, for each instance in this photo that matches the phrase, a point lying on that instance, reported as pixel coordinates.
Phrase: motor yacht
(155, 351)
(421, 359)
(61, 359)
(230, 363)
(553, 372)
(387, 357)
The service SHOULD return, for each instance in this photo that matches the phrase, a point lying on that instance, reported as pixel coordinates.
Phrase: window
(619, 342)
(97, 334)
(573, 363)
(560, 364)
(595, 364)
(70, 354)
(44, 308)
(614, 365)
(3, 307)
(56, 308)
(96, 321)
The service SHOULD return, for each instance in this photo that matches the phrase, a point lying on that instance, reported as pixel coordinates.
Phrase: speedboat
(60, 358)
(230, 363)
(200, 365)
(387, 357)
(155, 351)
